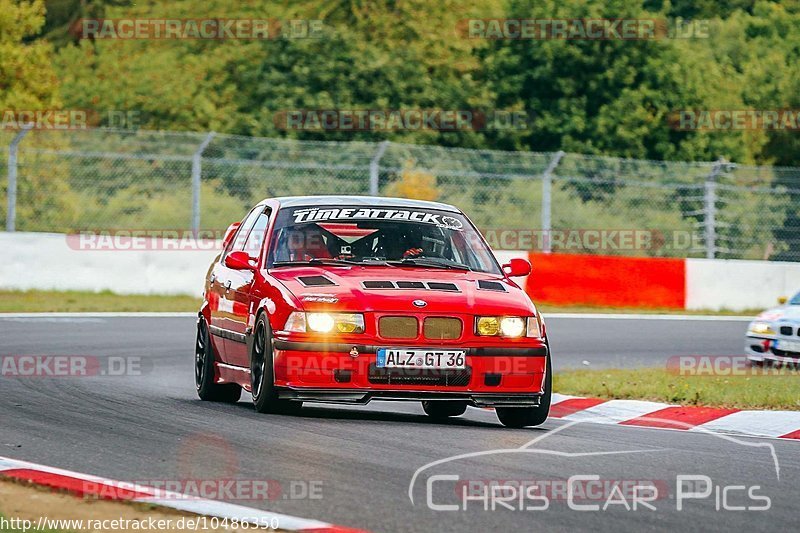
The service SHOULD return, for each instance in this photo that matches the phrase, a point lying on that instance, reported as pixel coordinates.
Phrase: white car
(774, 335)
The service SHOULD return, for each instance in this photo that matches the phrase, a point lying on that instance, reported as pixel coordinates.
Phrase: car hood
(350, 294)
(785, 313)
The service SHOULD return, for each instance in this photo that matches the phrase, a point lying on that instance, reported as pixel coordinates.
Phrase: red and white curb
(85, 485)
(769, 424)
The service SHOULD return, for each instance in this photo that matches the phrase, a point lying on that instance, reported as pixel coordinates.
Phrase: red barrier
(597, 280)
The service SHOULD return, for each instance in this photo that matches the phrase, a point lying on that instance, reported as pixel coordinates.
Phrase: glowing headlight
(320, 322)
(507, 326)
(325, 322)
(763, 328)
(512, 326)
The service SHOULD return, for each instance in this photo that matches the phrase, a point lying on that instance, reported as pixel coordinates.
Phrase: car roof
(367, 201)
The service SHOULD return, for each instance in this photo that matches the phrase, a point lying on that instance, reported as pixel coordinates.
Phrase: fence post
(374, 168)
(196, 174)
(710, 208)
(11, 197)
(547, 200)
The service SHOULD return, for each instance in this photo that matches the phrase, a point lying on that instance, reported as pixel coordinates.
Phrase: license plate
(788, 346)
(404, 358)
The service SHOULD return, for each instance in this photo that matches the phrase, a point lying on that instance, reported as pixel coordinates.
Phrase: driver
(308, 243)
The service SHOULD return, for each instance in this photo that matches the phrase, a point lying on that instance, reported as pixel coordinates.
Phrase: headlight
(512, 326)
(488, 325)
(507, 326)
(320, 322)
(325, 322)
(763, 328)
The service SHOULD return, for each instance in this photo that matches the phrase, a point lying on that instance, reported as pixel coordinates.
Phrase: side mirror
(517, 267)
(239, 260)
(782, 300)
(229, 233)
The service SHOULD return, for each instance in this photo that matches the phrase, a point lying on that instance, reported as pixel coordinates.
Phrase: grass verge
(79, 301)
(85, 301)
(773, 388)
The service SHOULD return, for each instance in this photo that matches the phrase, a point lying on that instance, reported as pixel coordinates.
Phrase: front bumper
(760, 348)
(347, 373)
(363, 397)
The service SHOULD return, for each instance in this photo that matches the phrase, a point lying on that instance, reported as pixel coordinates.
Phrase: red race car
(350, 299)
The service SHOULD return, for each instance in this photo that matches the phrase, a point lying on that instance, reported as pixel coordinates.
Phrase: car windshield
(411, 237)
(795, 300)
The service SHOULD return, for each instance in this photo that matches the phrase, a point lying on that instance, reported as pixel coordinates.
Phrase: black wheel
(756, 364)
(519, 417)
(262, 379)
(442, 409)
(204, 370)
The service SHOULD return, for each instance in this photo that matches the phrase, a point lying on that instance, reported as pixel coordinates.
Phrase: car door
(221, 297)
(241, 285)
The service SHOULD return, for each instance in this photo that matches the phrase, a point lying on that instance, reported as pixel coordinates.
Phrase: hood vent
(315, 281)
(419, 285)
(410, 285)
(491, 285)
(439, 286)
(378, 285)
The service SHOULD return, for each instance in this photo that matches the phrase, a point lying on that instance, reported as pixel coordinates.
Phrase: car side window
(256, 236)
(239, 240)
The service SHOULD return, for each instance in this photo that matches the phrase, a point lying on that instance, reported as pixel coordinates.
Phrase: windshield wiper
(409, 261)
(316, 261)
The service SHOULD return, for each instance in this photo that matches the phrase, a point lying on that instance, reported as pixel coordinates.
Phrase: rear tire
(441, 409)
(262, 377)
(520, 417)
(207, 389)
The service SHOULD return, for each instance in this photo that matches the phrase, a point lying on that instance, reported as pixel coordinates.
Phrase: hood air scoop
(315, 281)
(420, 285)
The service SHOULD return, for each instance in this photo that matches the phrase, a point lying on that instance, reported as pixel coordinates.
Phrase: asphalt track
(360, 461)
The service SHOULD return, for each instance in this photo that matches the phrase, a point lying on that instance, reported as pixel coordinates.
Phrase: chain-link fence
(68, 181)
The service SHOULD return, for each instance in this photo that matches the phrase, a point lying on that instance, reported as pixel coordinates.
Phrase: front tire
(207, 389)
(441, 409)
(262, 377)
(520, 417)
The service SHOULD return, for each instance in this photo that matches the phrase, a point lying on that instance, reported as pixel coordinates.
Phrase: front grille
(419, 376)
(442, 328)
(398, 327)
(786, 330)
